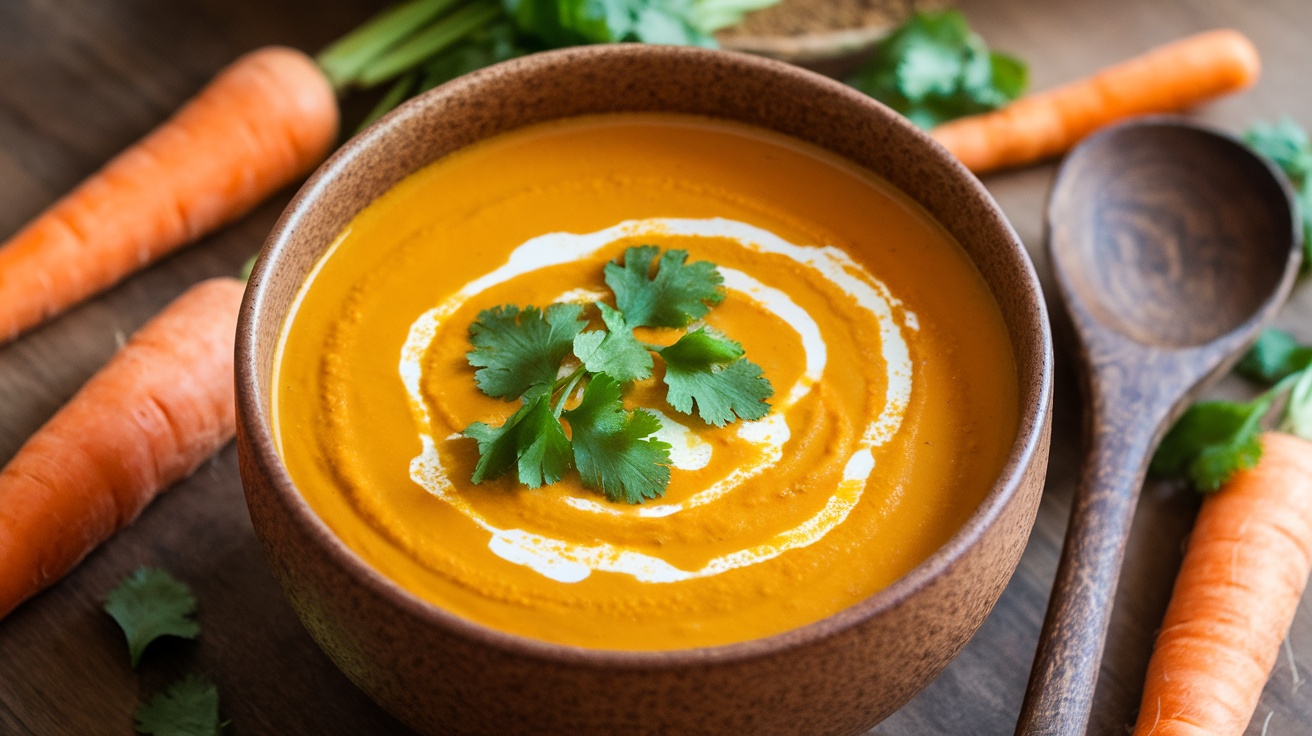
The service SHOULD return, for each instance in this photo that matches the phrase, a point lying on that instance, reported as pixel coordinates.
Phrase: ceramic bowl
(445, 675)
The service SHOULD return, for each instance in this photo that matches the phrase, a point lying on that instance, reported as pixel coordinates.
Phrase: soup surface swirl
(895, 393)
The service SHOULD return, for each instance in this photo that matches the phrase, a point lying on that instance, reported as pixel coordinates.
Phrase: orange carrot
(154, 413)
(1167, 79)
(263, 121)
(1243, 573)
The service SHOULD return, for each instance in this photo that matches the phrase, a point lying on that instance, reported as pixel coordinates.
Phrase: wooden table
(80, 79)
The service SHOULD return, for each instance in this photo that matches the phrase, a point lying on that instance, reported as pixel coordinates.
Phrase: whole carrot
(262, 122)
(156, 411)
(1245, 568)
(1167, 79)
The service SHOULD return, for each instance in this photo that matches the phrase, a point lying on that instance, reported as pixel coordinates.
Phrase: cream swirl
(567, 562)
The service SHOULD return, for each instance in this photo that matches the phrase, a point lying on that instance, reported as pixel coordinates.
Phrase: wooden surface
(80, 79)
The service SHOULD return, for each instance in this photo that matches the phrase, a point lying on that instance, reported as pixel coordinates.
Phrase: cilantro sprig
(934, 68)
(1215, 439)
(547, 360)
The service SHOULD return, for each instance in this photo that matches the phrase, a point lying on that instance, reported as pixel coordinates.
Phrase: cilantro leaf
(516, 351)
(151, 603)
(678, 294)
(1213, 440)
(614, 351)
(934, 68)
(613, 448)
(531, 440)
(1276, 354)
(190, 707)
(710, 371)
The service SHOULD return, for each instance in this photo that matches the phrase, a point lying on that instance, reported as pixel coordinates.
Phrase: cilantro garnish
(190, 707)
(1286, 143)
(934, 68)
(675, 296)
(151, 603)
(515, 351)
(531, 439)
(546, 359)
(613, 447)
(613, 351)
(709, 371)
(1215, 439)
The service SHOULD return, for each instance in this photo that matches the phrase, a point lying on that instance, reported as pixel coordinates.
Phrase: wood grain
(79, 79)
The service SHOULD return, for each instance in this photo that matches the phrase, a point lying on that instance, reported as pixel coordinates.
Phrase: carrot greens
(546, 359)
(416, 45)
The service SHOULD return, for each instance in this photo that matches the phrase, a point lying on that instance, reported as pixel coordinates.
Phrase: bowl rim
(254, 416)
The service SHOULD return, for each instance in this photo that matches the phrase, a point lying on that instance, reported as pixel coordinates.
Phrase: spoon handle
(1066, 664)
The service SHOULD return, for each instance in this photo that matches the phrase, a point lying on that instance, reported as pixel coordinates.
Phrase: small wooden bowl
(445, 675)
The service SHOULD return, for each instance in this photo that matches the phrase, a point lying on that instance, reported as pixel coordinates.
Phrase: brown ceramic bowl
(445, 675)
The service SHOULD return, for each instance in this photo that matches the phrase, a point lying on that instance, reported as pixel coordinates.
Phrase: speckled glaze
(445, 675)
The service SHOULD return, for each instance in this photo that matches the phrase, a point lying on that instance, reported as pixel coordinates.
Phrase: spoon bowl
(1171, 235)
(1172, 246)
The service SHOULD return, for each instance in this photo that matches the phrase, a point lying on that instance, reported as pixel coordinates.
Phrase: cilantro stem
(562, 381)
(569, 389)
(652, 347)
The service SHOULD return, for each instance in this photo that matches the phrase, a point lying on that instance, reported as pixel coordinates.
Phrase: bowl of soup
(636, 389)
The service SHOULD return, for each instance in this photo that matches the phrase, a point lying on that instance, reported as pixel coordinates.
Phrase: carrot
(1243, 573)
(154, 413)
(1167, 79)
(262, 122)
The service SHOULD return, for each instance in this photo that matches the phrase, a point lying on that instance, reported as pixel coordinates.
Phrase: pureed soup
(895, 397)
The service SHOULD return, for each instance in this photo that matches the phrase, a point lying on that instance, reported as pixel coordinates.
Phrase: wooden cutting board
(80, 79)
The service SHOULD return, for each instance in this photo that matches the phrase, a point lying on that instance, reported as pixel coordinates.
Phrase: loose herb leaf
(516, 351)
(151, 603)
(934, 68)
(1286, 143)
(1276, 354)
(613, 351)
(190, 707)
(531, 440)
(710, 371)
(613, 447)
(1212, 441)
(677, 295)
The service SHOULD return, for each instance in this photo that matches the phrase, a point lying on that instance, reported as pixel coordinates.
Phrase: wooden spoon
(1172, 246)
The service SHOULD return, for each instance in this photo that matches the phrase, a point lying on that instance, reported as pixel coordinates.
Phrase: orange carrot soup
(891, 388)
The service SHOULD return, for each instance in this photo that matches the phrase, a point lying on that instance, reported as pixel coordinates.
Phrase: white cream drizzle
(569, 562)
